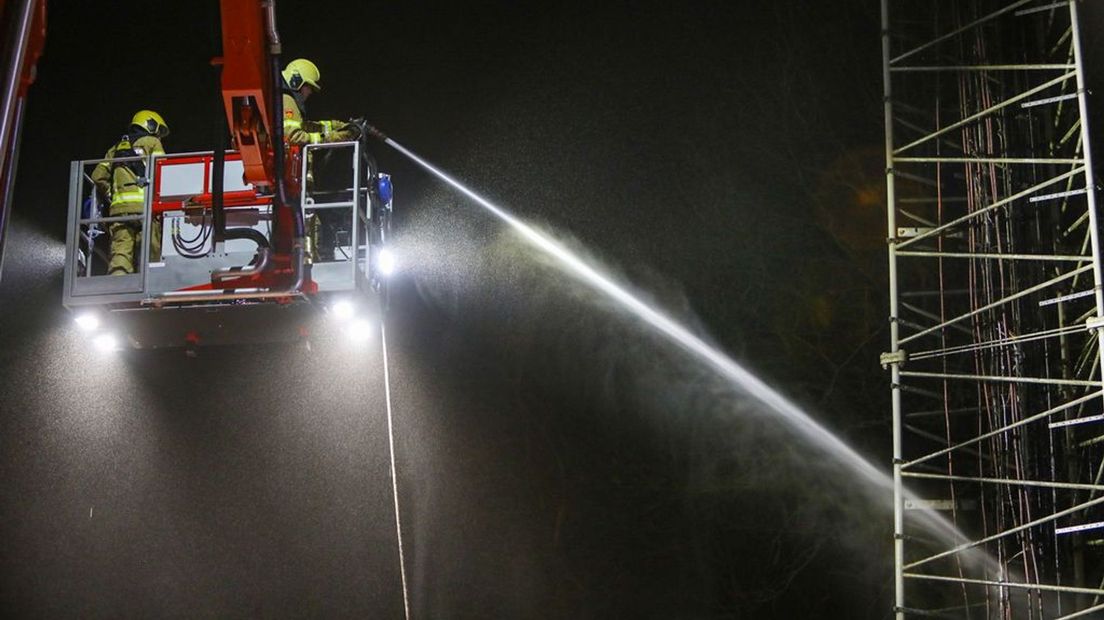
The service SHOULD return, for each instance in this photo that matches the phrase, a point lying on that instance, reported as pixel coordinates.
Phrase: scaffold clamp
(899, 356)
(1094, 323)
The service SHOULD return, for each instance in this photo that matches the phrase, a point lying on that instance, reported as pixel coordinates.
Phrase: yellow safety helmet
(302, 71)
(150, 121)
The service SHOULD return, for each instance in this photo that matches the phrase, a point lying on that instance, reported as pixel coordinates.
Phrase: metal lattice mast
(996, 301)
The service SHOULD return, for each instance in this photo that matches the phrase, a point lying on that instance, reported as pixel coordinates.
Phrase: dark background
(554, 459)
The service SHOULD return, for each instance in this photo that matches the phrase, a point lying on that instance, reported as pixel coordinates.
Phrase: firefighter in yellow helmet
(301, 80)
(123, 183)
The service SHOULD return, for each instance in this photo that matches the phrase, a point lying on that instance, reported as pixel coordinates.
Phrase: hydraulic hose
(270, 22)
(191, 248)
(248, 233)
(277, 116)
(218, 171)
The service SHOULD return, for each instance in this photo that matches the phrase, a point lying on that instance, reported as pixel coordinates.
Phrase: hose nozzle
(375, 133)
(365, 129)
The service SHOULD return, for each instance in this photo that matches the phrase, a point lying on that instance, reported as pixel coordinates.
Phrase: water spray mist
(790, 413)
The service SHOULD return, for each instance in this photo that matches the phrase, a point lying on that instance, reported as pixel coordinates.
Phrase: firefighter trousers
(126, 238)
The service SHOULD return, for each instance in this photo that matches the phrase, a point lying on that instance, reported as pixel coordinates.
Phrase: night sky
(554, 459)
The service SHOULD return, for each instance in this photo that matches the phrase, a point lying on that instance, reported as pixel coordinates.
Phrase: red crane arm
(247, 87)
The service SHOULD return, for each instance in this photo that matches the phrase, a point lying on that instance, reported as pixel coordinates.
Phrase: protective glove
(355, 127)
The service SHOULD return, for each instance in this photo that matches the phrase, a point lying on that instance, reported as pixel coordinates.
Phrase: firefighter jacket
(122, 182)
(299, 131)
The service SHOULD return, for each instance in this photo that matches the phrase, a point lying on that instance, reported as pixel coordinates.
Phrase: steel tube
(1009, 481)
(1001, 301)
(1038, 102)
(989, 160)
(1090, 177)
(995, 108)
(1005, 429)
(996, 205)
(1091, 206)
(189, 296)
(1026, 67)
(1056, 332)
(1041, 9)
(355, 238)
(240, 272)
(976, 22)
(9, 184)
(9, 119)
(1077, 421)
(1036, 257)
(72, 232)
(15, 55)
(1007, 584)
(218, 296)
(1065, 194)
(147, 227)
(1005, 378)
(894, 345)
(1019, 528)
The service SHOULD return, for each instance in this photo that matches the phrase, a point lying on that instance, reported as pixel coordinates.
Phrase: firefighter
(301, 78)
(122, 184)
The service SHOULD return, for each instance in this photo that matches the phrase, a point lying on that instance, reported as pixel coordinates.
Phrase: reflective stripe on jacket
(129, 197)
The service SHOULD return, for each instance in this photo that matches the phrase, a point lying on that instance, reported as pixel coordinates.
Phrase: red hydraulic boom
(23, 23)
(253, 101)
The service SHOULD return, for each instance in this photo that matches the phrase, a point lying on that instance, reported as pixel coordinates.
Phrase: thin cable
(394, 477)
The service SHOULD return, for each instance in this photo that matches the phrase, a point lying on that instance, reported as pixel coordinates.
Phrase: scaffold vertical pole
(895, 370)
(1090, 198)
(1090, 175)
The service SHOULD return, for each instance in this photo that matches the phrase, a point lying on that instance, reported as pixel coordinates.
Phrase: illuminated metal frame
(355, 205)
(134, 289)
(1051, 324)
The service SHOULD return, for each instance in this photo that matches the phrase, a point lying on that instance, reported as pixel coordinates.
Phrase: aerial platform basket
(241, 288)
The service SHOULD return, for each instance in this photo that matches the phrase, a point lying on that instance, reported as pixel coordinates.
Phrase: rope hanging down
(394, 477)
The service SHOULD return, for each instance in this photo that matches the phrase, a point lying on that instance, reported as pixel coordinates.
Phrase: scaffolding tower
(996, 308)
